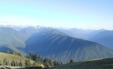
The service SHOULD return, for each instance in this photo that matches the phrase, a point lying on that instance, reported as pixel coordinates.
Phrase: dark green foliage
(27, 63)
(32, 56)
(71, 61)
(39, 59)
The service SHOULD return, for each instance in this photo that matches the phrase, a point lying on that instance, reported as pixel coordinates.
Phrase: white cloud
(29, 21)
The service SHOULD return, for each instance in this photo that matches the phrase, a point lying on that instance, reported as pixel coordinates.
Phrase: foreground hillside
(16, 60)
(98, 64)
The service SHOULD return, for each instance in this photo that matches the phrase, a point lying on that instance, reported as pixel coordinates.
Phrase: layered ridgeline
(52, 43)
(104, 37)
(12, 39)
(9, 38)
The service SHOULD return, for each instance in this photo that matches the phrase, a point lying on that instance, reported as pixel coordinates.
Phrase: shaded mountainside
(104, 37)
(5, 49)
(98, 64)
(56, 45)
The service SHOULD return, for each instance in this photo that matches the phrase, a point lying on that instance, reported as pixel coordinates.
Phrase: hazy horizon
(83, 14)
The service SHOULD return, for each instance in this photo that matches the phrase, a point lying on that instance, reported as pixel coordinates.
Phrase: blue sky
(86, 14)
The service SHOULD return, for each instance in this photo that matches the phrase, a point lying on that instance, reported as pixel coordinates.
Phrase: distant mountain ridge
(14, 39)
(104, 37)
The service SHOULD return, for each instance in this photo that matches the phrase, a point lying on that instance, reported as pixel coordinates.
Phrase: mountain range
(62, 45)
(54, 44)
